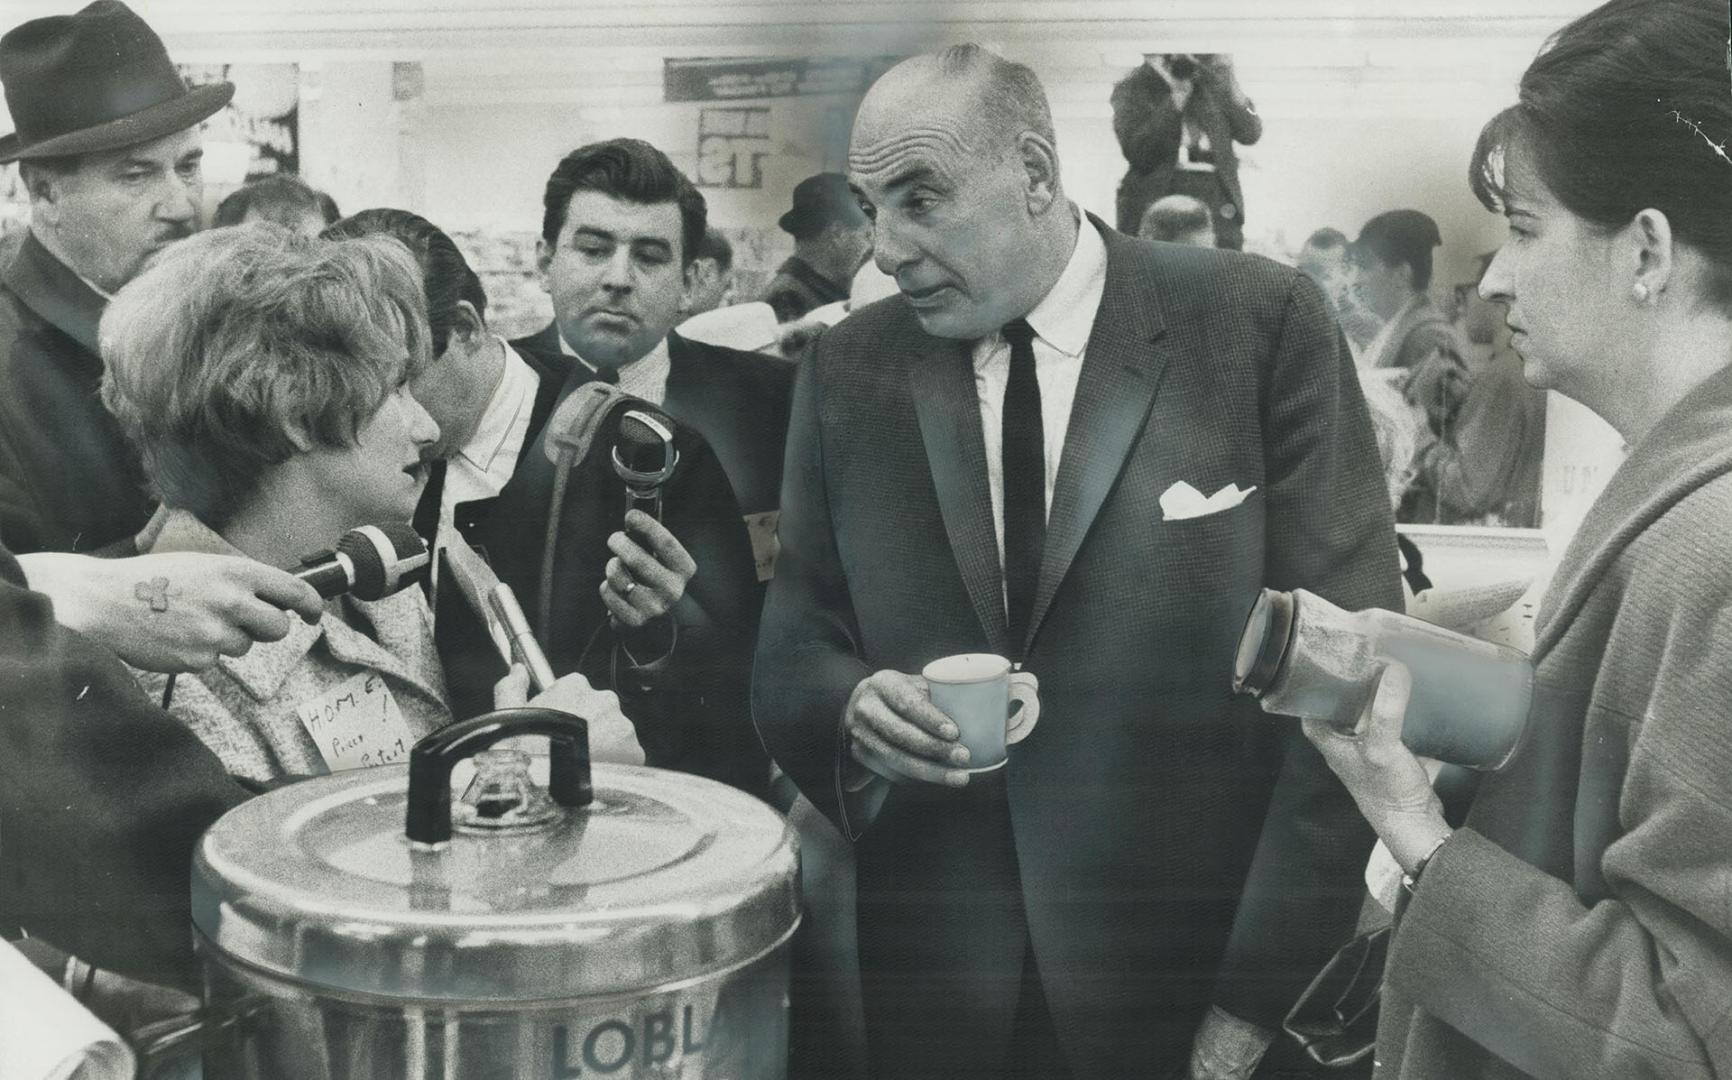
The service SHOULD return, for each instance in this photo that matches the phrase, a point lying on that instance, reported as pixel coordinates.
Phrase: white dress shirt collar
(490, 455)
(646, 377)
(1062, 322)
(1066, 315)
(485, 464)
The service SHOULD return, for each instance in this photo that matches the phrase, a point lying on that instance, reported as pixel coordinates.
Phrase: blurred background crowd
(1327, 142)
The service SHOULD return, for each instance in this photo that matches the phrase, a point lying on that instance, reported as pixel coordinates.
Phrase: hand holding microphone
(645, 458)
(650, 569)
(179, 611)
(648, 573)
(171, 612)
(370, 562)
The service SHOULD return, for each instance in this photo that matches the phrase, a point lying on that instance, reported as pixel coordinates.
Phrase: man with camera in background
(1177, 118)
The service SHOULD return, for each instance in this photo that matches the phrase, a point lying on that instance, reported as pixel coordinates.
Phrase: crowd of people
(1475, 431)
(992, 459)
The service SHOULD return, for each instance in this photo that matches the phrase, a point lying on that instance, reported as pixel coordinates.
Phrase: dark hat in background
(97, 80)
(820, 201)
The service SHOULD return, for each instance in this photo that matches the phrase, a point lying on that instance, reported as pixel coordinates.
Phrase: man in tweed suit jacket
(1155, 847)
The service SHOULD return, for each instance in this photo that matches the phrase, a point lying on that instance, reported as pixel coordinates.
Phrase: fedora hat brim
(164, 118)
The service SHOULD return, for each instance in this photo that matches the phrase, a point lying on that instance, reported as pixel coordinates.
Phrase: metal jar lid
(663, 878)
(1264, 643)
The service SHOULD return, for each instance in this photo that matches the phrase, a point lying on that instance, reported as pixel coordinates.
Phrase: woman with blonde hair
(265, 378)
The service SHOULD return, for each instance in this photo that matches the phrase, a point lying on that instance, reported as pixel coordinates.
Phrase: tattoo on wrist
(155, 592)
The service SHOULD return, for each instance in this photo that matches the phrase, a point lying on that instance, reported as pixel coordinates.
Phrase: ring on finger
(626, 589)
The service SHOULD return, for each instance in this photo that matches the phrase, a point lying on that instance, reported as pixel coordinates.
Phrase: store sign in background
(732, 146)
(722, 79)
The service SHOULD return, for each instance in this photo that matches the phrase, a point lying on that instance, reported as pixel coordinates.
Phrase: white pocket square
(1183, 501)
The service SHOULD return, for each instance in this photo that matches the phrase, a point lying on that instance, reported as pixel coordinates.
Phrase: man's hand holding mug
(954, 719)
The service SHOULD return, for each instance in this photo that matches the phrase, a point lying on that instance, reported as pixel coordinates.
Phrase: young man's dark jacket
(686, 694)
(738, 401)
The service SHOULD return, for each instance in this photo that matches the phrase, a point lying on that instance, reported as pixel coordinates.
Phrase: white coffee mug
(993, 706)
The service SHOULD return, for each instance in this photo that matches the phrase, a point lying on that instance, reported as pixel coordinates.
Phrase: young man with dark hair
(620, 231)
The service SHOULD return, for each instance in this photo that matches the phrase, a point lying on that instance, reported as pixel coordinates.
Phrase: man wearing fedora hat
(106, 137)
(832, 241)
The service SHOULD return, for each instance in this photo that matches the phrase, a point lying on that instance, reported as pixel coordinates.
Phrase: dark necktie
(609, 375)
(426, 524)
(426, 520)
(1024, 457)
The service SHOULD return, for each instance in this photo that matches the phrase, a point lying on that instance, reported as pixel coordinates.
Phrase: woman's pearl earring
(1641, 291)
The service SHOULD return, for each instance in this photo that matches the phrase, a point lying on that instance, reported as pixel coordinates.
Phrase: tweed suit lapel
(941, 381)
(1115, 391)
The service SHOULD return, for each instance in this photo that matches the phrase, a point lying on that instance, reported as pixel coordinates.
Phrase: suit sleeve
(1329, 530)
(20, 521)
(1243, 123)
(19, 525)
(17, 522)
(701, 702)
(1147, 125)
(808, 660)
(1638, 983)
(103, 797)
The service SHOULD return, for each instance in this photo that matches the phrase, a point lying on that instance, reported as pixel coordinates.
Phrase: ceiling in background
(312, 28)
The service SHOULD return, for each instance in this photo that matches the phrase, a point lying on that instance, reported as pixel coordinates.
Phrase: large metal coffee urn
(625, 922)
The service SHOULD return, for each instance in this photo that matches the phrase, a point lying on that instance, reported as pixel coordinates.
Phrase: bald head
(952, 157)
(982, 100)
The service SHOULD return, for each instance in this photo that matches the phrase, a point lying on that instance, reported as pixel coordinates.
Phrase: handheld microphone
(644, 457)
(370, 562)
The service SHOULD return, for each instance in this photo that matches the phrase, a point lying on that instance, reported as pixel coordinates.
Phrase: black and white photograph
(866, 540)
